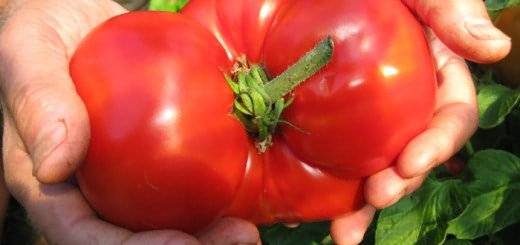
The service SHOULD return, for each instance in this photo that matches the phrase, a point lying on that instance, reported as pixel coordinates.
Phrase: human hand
(456, 30)
(46, 130)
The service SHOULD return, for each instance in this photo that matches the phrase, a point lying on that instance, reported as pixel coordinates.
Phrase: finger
(446, 135)
(465, 27)
(230, 231)
(4, 201)
(38, 92)
(291, 225)
(4, 194)
(59, 210)
(49, 116)
(385, 188)
(165, 237)
(454, 123)
(351, 228)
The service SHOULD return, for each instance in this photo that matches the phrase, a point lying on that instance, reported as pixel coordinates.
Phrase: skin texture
(144, 122)
(61, 212)
(4, 194)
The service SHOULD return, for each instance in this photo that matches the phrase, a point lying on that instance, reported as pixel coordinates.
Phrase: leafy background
(478, 205)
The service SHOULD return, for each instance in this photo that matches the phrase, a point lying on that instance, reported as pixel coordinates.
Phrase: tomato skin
(507, 70)
(240, 25)
(378, 92)
(149, 110)
(197, 164)
(279, 187)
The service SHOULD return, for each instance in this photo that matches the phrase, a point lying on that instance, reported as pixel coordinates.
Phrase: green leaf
(167, 5)
(488, 213)
(458, 242)
(242, 108)
(259, 74)
(496, 5)
(279, 106)
(232, 84)
(422, 218)
(259, 106)
(244, 119)
(242, 83)
(247, 102)
(495, 103)
(486, 78)
(492, 169)
(496, 195)
(305, 234)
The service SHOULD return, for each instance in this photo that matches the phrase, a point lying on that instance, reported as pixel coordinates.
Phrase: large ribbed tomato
(166, 150)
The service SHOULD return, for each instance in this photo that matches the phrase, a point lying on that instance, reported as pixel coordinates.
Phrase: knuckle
(28, 96)
(30, 103)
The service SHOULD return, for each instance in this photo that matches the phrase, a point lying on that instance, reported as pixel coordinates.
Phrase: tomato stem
(259, 102)
(306, 67)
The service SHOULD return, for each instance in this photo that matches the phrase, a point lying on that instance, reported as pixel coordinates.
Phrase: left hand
(46, 128)
(456, 30)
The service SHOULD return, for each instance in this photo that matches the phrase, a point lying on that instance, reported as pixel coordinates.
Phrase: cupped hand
(456, 30)
(46, 130)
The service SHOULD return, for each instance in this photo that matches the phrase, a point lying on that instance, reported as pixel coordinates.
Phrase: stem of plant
(469, 149)
(259, 102)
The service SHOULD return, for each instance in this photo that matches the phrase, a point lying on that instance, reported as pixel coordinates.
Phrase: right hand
(46, 128)
(456, 30)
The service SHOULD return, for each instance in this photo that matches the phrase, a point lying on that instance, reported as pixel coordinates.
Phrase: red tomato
(455, 166)
(166, 151)
(160, 123)
(374, 96)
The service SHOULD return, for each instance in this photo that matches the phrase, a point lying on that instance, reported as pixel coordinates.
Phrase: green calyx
(259, 102)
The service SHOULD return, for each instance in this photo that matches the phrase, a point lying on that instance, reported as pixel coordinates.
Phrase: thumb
(465, 27)
(40, 97)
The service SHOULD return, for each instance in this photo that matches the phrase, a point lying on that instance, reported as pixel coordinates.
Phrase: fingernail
(484, 29)
(48, 139)
(291, 225)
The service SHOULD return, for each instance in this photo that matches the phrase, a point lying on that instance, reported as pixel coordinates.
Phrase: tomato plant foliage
(483, 203)
(167, 5)
(495, 6)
